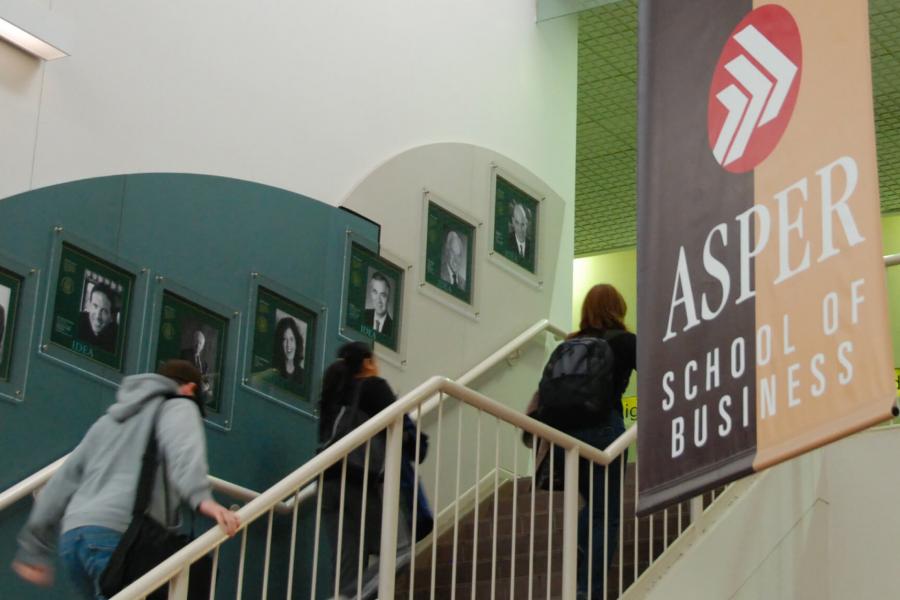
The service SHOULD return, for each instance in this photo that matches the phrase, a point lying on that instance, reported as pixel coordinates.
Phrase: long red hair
(603, 308)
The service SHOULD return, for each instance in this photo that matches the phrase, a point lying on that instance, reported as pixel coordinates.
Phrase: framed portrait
(91, 307)
(515, 228)
(374, 297)
(194, 333)
(283, 358)
(18, 315)
(10, 290)
(449, 250)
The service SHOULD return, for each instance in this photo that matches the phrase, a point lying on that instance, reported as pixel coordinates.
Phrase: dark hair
(603, 308)
(181, 372)
(338, 378)
(278, 349)
(107, 291)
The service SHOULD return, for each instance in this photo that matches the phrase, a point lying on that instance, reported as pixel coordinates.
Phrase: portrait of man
(197, 355)
(98, 323)
(520, 239)
(378, 317)
(453, 259)
(515, 224)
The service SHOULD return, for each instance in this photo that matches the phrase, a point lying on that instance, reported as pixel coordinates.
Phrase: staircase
(502, 586)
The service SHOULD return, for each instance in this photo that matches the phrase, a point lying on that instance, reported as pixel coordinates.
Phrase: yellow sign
(629, 406)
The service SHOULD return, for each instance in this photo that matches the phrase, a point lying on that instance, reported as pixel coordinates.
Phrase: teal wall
(207, 234)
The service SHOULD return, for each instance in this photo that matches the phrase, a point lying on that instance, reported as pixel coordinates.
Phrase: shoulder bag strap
(148, 467)
(352, 408)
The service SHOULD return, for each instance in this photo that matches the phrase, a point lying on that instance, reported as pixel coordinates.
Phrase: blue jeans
(85, 551)
(599, 437)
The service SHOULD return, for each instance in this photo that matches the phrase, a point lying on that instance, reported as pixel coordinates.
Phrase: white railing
(34, 482)
(175, 569)
(307, 482)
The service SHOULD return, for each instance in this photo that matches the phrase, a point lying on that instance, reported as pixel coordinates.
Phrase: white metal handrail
(496, 358)
(176, 567)
(37, 480)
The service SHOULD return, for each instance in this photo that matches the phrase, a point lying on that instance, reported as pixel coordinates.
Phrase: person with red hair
(602, 316)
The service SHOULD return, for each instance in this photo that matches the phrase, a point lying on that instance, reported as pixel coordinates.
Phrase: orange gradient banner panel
(762, 305)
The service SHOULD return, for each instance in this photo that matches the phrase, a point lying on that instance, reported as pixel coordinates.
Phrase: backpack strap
(611, 334)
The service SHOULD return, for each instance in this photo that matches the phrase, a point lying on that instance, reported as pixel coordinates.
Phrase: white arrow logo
(765, 100)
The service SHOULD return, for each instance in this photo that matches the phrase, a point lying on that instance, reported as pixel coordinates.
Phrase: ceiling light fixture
(28, 42)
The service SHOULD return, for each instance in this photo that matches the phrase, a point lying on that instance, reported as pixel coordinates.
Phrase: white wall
(308, 96)
(823, 526)
(435, 338)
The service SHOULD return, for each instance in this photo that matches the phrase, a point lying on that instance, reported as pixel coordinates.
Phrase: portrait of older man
(196, 354)
(98, 323)
(453, 259)
(378, 317)
(520, 241)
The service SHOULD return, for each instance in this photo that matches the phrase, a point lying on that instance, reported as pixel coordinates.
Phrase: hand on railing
(228, 520)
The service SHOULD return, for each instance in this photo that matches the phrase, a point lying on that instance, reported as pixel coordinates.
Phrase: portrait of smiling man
(97, 324)
(379, 298)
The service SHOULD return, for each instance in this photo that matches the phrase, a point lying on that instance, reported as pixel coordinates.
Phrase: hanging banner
(762, 306)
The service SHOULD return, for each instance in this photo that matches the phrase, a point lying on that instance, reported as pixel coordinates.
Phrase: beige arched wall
(439, 339)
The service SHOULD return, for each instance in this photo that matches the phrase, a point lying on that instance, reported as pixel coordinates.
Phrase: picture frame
(19, 289)
(191, 327)
(450, 243)
(516, 212)
(373, 292)
(11, 284)
(288, 371)
(94, 310)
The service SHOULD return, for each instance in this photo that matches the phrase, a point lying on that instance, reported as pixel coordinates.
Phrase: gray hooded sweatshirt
(96, 484)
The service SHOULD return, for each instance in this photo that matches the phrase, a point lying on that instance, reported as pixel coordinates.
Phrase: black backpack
(577, 384)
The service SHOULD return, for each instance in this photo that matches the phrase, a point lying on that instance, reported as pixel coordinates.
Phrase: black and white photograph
(374, 295)
(199, 345)
(379, 312)
(453, 259)
(289, 347)
(90, 310)
(515, 224)
(449, 249)
(101, 305)
(283, 344)
(194, 333)
(9, 291)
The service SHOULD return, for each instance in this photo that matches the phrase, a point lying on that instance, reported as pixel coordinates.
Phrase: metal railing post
(178, 586)
(696, 508)
(570, 525)
(387, 558)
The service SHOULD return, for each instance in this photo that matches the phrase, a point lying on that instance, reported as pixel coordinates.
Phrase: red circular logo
(754, 88)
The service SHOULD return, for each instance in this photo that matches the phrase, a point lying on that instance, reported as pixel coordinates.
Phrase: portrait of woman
(287, 350)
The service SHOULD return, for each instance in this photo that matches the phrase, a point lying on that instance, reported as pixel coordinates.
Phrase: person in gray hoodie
(86, 506)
